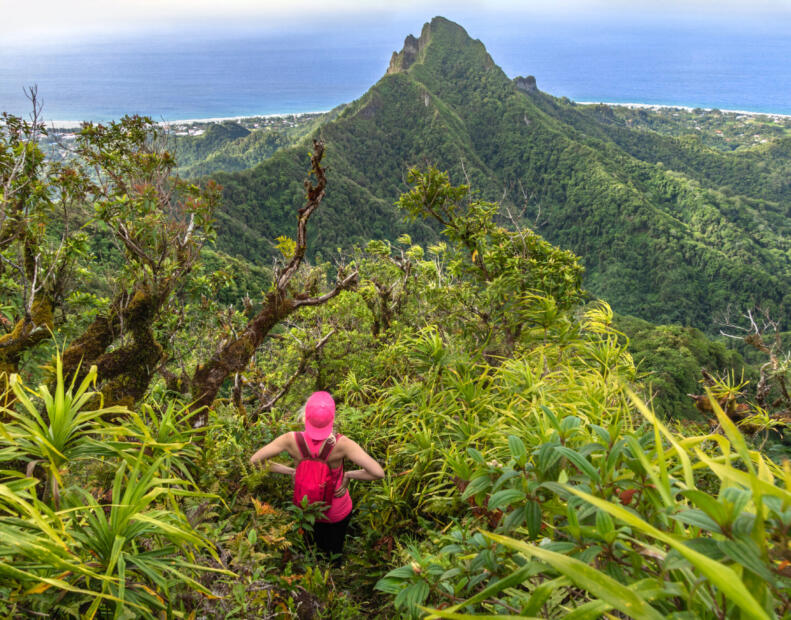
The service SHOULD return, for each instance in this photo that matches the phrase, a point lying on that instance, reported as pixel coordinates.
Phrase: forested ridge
(230, 146)
(669, 229)
(544, 456)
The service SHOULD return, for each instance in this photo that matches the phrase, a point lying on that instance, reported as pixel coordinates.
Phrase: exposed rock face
(452, 36)
(401, 61)
(527, 84)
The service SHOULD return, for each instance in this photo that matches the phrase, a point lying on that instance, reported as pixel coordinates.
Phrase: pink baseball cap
(319, 415)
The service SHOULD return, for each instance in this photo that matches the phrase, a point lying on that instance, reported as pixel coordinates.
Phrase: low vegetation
(537, 461)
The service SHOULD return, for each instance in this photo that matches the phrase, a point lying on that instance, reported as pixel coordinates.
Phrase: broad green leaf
(580, 462)
(720, 575)
(476, 456)
(533, 515)
(707, 504)
(604, 525)
(505, 498)
(746, 553)
(697, 518)
(586, 577)
(517, 448)
(707, 546)
(515, 518)
(479, 484)
(552, 418)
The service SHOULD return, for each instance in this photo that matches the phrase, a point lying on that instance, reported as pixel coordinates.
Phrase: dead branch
(235, 354)
(343, 285)
(315, 194)
(763, 333)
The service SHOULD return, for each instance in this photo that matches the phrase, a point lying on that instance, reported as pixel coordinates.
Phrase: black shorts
(329, 537)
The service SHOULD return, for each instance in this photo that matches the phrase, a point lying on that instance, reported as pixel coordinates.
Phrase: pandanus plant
(53, 430)
(90, 556)
(142, 548)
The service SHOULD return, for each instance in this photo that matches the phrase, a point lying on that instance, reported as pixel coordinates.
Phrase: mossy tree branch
(159, 224)
(36, 196)
(234, 356)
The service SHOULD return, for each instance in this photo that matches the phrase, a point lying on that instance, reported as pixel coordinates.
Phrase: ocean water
(210, 74)
(190, 78)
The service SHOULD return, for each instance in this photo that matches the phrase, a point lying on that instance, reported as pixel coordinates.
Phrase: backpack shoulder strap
(329, 444)
(302, 445)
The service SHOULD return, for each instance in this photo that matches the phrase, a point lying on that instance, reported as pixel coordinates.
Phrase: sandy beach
(658, 107)
(66, 125)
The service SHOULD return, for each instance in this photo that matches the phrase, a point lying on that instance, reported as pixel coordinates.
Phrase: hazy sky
(52, 21)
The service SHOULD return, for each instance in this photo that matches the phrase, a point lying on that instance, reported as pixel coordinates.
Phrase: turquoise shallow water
(216, 75)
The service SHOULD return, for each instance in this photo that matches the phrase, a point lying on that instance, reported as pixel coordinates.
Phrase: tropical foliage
(542, 455)
(87, 550)
(670, 229)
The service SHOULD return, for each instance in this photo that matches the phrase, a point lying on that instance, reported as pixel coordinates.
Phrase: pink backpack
(313, 477)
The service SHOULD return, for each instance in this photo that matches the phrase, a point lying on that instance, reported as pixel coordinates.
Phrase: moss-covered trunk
(26, 334)
(235, 356)
(126, 372)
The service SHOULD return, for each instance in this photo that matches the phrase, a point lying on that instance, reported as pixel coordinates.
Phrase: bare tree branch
(343, 285)
(763, 334)
(307, 356)
(315, 194)
(235, 354)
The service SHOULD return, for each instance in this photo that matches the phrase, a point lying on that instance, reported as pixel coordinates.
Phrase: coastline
(661, 106)
(66, 125)
(71, 124)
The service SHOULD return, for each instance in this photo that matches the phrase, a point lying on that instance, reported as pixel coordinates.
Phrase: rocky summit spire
(401, 61)
(413, 50)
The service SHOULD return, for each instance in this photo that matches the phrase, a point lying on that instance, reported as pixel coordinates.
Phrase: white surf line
(661, 106)
(63, 124)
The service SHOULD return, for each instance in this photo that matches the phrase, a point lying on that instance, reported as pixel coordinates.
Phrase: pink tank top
(341, 506)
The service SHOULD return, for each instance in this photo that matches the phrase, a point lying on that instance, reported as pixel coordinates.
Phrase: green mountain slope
(229, 146)
(669, 229)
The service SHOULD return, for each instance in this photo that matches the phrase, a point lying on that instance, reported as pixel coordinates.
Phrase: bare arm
(371, 470)
(279, 468)
(273, 448)
(362, 474)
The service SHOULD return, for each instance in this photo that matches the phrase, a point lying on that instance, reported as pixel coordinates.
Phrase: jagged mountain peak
(526, 84)
(583, 181)
(414, 47)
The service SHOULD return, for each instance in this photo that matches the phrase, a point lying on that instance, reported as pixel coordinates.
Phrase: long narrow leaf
(441, 613)
(649, 415)
(515, 578)
(719, 574)
(586, 577)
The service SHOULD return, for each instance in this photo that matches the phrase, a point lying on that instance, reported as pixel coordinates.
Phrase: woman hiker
(318, 444)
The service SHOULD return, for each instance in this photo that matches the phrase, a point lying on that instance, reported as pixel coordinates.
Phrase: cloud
(56, 20)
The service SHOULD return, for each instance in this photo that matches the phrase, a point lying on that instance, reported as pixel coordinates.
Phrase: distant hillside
(230, 146)
(669, 229)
